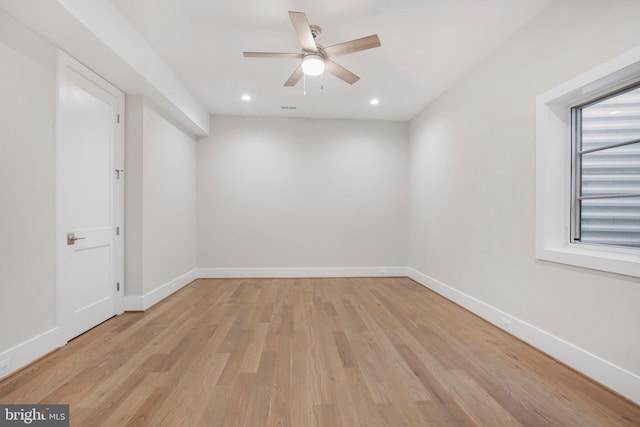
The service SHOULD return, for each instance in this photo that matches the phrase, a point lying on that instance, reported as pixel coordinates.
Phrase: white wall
(160, 203)
(169, 202)
(304, 193)
(472, 184)
(27, 184)
(133, 161)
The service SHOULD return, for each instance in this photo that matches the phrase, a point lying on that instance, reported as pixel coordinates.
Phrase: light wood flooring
(311, 352)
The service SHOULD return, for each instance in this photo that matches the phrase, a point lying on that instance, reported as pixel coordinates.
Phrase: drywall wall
(160, 210)
(278, 193)
(472, 184)
(134, 132)
(169, 202)
(27, 184)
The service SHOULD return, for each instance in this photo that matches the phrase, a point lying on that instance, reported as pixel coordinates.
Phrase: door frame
(69, 68)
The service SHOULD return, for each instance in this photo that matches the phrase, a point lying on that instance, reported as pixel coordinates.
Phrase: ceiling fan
(315, 58)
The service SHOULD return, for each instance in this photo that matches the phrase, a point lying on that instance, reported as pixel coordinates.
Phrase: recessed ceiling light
(374, 101)
(246, 97)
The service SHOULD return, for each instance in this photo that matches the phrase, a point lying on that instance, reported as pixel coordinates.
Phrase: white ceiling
(426, 46)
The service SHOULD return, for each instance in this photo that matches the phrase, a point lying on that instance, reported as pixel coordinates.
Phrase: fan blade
(295, 77)
(340, 72)
(352, 46)
(301, 25)
(272, 55)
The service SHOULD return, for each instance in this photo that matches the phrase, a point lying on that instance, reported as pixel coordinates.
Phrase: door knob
(71, 239)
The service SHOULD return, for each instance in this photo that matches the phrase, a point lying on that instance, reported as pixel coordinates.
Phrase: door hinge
(118, 118)
(117, 231)
(118, 286)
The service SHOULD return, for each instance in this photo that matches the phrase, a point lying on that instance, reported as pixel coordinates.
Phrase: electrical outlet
(505, 324)
(4, 367)
(227, 273)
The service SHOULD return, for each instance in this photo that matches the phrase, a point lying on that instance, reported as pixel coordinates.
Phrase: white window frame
(553, 169)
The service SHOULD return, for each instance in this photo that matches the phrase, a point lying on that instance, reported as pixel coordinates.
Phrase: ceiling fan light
(313, 65)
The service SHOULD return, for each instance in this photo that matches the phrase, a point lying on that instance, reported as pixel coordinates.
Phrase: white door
(90, 190)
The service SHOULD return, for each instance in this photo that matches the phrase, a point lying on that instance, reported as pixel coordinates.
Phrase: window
(606, 170)
(588, 169)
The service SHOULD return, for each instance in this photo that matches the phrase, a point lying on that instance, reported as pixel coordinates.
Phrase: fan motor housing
(315, 30)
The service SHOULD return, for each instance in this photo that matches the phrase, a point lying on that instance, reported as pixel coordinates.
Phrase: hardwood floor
(311, 352)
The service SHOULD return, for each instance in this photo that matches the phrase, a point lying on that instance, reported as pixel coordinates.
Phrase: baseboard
(221, 273)
(144, 302)
(24, 353)
(617, 379)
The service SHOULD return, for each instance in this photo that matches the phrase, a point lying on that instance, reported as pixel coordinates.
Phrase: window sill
(594, 258)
